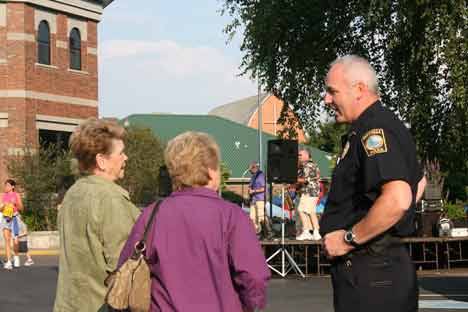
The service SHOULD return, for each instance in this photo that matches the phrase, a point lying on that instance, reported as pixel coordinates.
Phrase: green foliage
(40, 174)
(455, 211)
(145, 156)
(327, 137)
(232, 197)
(225, 193)
(225, 175)
(419, 50)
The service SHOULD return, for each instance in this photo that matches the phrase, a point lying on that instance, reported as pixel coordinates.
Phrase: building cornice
(86, 9)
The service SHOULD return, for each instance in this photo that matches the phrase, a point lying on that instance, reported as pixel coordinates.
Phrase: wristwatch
(350, 238)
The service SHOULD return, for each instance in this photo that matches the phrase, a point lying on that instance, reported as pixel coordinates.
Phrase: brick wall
(271, 111)
(28, 89)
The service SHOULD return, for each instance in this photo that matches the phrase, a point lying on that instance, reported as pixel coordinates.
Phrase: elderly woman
(203, 252)
(95, 218)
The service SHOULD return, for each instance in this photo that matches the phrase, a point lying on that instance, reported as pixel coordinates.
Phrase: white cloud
(167, 76)
(169, 57)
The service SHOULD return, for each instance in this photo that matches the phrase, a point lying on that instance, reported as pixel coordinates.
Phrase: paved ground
(33, 289)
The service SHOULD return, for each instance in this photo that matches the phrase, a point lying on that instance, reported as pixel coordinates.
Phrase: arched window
(75, 49)
(43, 43)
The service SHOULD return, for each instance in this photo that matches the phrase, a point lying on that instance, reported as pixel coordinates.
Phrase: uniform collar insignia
(345, 150)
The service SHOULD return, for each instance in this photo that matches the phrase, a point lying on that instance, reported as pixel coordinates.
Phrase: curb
(39, 252)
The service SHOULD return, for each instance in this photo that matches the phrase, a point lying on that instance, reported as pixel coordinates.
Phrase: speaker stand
(287, 261)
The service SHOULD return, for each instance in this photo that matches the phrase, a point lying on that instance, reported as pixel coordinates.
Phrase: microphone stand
(287, 261)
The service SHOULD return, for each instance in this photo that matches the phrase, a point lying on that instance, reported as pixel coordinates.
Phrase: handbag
(129, 286)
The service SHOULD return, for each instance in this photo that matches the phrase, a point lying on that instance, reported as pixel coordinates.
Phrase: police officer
(372, 197)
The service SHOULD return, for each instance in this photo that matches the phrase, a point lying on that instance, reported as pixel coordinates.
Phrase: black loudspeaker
(282, 161)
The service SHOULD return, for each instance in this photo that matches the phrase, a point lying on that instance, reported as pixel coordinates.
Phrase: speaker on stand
(282, 161)
(282, 169)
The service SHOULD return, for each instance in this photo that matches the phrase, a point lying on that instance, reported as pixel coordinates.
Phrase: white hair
(305, 150)
(358, 69)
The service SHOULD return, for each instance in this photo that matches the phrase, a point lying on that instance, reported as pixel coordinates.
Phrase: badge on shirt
(374, 142)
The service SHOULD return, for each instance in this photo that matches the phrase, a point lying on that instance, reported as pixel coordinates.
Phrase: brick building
(48, 71)
(245, 111)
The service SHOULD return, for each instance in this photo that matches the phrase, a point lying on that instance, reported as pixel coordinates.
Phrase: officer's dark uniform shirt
(377, 149)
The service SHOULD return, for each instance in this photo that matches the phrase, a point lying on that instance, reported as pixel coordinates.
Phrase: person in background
(202, 250)
(11, 205)
(23, 243)
(95, 218)
(257, 191)
(308, 180)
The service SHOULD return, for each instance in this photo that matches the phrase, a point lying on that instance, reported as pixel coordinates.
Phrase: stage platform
(428, 253)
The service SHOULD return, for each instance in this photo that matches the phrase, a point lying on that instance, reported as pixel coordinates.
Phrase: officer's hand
(335, 245)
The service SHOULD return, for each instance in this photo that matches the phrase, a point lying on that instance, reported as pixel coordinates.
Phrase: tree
(327, 136)
(418, 48)
(145, 157)
(40, 174)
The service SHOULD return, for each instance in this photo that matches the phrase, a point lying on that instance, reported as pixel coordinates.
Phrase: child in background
(23, 243)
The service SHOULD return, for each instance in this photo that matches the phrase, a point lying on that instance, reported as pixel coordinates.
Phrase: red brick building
(245, 111)
(48, 71)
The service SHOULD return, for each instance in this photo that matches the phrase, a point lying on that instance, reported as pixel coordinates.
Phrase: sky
(167, 57)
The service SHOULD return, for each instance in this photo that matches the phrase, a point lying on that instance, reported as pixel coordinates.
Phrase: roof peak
(241, 110)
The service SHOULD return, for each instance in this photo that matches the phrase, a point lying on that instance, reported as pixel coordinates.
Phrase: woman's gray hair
(357, 69)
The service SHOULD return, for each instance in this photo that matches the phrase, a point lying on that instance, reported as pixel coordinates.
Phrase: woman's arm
(119, 217)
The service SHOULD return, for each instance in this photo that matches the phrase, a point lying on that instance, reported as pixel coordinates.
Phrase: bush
(232, 197)
(455, 211)
(40, 174)
(145, 157)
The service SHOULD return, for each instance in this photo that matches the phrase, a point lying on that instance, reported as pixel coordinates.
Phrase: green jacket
(94, 222)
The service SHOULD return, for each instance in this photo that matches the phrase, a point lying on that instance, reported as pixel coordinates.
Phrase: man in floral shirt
(308, 180)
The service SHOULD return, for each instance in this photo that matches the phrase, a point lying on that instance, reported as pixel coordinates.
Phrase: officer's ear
(360, 88)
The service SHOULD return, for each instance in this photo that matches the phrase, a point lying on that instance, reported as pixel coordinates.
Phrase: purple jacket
(203, 255)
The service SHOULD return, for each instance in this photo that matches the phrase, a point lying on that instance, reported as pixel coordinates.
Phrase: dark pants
(375, 281)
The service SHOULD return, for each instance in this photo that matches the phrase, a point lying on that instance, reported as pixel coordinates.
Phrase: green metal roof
(238, 143)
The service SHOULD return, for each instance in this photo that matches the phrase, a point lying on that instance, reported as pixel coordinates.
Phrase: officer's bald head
(357, 69)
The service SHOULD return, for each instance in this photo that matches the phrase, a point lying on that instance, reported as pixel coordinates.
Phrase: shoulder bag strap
(150, 220)
(141, 245)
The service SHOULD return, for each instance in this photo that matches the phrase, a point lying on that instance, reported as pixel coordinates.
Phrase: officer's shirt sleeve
(382, 159)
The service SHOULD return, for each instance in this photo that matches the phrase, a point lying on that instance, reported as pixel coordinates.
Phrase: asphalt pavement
(33, 289)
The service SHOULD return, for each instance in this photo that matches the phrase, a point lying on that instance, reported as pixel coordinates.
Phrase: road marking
(443, 295)
(443, 304)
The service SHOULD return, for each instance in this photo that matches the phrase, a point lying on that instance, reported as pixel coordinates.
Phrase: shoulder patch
(374, 142)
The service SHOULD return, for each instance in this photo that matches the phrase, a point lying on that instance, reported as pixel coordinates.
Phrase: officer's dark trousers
(375, 282)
